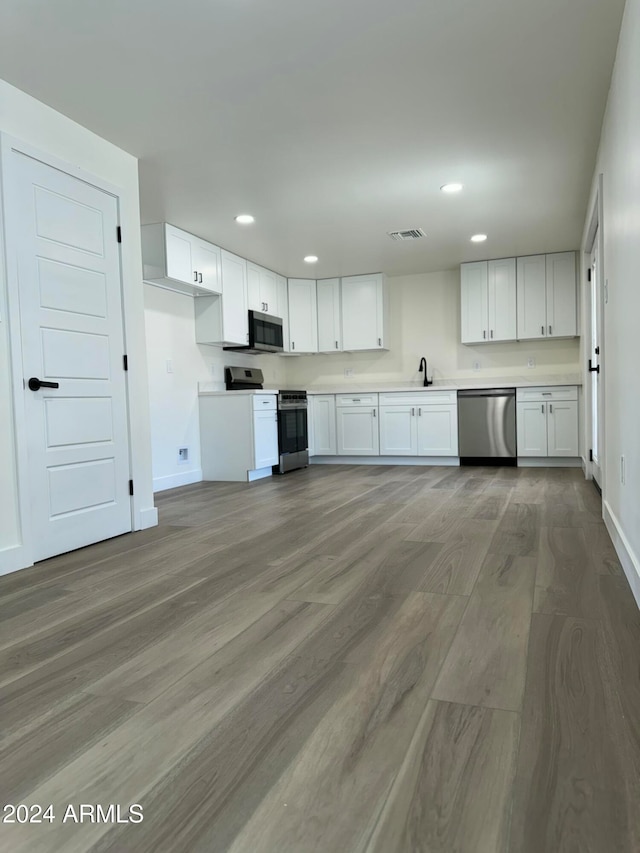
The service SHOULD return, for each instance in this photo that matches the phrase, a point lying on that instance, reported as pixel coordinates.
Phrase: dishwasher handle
(487, 392)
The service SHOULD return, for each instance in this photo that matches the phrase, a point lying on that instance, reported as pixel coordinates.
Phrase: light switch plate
(531, 362)
(348, 372)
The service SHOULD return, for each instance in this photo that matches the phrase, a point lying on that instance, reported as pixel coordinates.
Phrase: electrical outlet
(622, 470)
(476, 365)
(531, 362)
(169, 365)
(183, 455)
(348, 372)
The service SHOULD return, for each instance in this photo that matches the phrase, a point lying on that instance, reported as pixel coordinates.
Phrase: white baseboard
(14, 559)
(385, 460)
(629, 560)
(549, 462)
(147, 518)
(259, 474)
(172, 481)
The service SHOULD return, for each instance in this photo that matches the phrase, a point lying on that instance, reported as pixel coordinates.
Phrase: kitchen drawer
(418, 398)
(264, 402)
(356, 400)
(544, 393)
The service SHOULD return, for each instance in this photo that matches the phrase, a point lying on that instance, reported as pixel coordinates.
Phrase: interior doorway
(594, 344)
(65, 266)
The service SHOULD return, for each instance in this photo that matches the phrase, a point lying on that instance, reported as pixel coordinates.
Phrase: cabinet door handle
(413, 413)
(542, 408)
(542, 330)
(420, 413)
(195, 276)
(550, 408)
(199, 278)
(379, 342)
(374, 413)
(336, 344)
(293, 345)
(550, 330)
(484, 333)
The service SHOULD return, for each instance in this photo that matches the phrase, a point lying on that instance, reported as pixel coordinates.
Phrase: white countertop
(212, 389)
(449, 384)
(209, 389)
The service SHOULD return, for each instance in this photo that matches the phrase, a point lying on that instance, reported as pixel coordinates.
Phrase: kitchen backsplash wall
(173, 396)
(425, 320)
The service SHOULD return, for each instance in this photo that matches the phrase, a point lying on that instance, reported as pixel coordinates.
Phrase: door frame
(594, 229)
(22, 555)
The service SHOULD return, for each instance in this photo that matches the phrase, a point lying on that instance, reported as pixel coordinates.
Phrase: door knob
(36, 384)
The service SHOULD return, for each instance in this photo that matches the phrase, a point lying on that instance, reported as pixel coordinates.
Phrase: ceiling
(336, 121)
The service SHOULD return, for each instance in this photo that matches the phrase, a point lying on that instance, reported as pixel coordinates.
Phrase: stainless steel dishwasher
(487, 426)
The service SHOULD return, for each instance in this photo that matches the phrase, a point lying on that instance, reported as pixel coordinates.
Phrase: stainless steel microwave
(265, 334)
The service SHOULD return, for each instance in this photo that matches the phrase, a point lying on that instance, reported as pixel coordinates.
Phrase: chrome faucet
(427, 382)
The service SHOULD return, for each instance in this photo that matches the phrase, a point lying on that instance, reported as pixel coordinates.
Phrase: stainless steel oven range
(293, 436)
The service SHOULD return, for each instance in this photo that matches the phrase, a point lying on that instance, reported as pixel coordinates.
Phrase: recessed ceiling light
(311, 259)
(451, 188)
(244, 219)
(478, 238)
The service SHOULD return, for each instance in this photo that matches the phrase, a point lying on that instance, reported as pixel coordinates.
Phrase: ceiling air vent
(410, 234)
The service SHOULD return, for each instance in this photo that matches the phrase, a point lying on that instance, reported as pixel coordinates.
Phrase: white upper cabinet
(224, 320)
(364, 312)
(532, 299)
(547, 296)
(179, 261)
(262, 289)
(488, 301)
(303, 315)
(501, 290)
(474, 301)
(283, 309)
(329, 315)
(562, 314)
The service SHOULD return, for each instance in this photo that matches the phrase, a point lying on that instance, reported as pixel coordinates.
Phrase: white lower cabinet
(357, 425)
(238, 436)
(419, 425)
(547, 421)
(322, 425)
(438, 430)
(398, 430)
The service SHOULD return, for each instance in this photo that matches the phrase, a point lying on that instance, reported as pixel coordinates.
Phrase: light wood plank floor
(352, 658)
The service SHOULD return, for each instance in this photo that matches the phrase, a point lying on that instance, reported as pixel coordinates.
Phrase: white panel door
(502, 300)
(531, 425)
(474, 312)
(398, 430)
(438, 430)
(562, 428)
(235, 317)
(329, 320)
(179, 255)
(324, 424)
(357, 428)
(362, 313)
(532, 300)
(303, 315)
(68, 263)
(265, 436)
(562, 315)
(206, 265)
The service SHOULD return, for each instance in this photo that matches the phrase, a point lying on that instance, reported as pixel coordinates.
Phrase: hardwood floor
(346, 658)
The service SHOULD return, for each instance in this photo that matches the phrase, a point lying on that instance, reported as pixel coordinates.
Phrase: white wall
(425, 320)
(37, 125)
(619, 164)
(170, 334)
